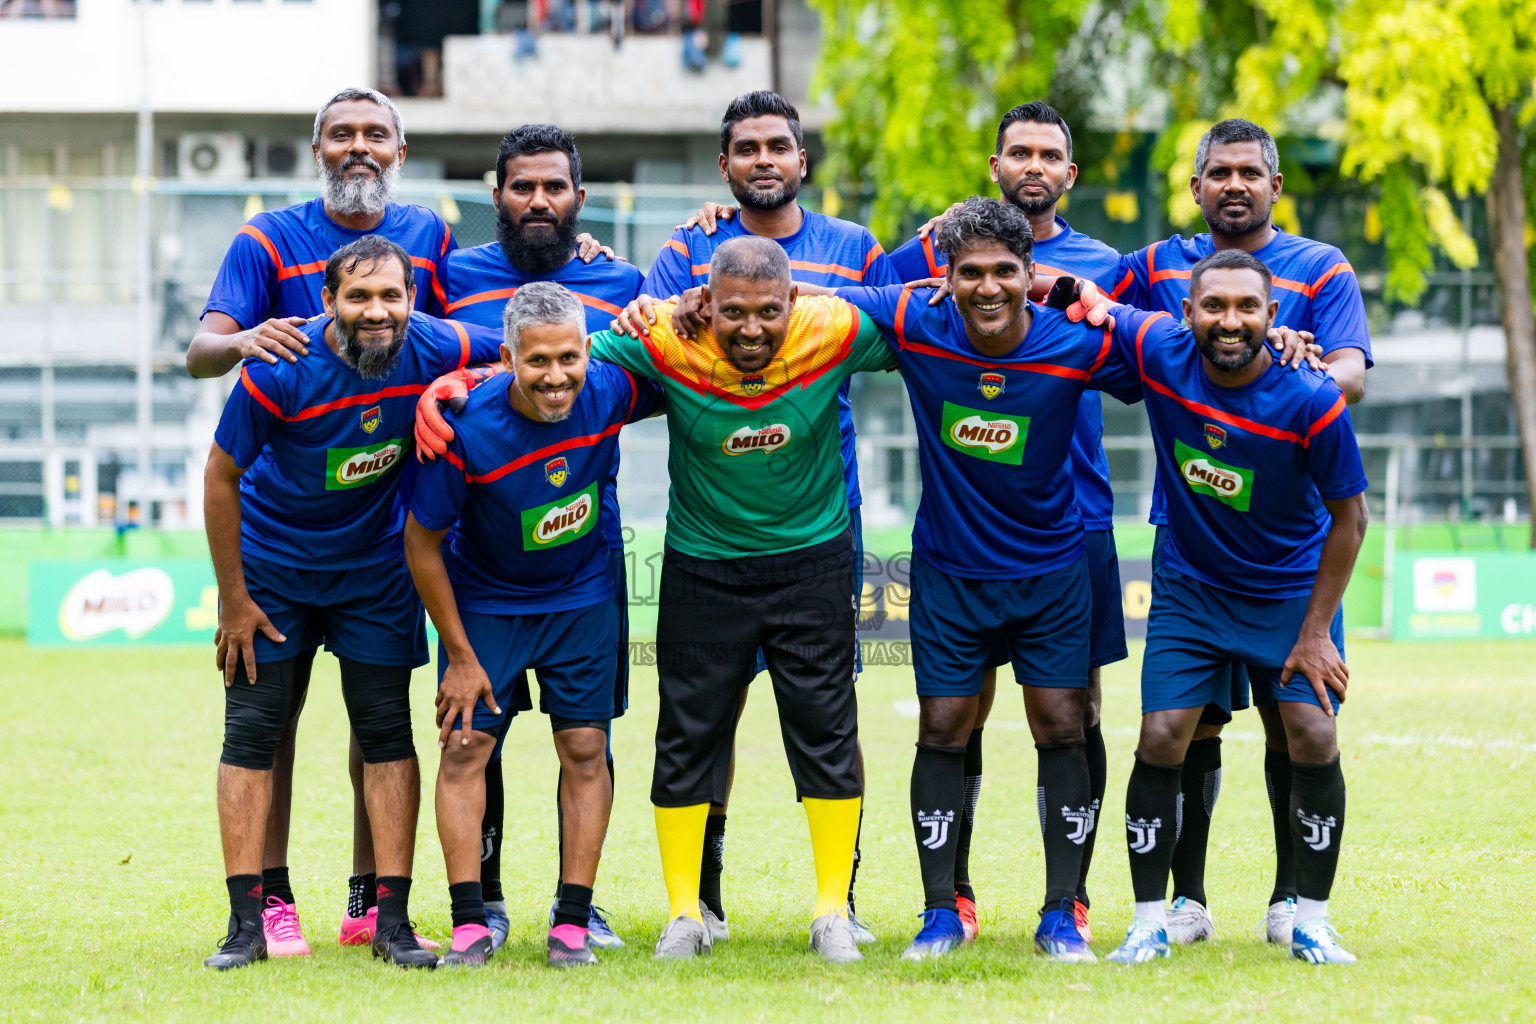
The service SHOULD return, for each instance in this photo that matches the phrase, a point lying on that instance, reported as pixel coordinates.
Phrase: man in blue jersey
(267, 287)
(304, 521)
(524, 581)
(1033, 169)
(1236, 181)
(538, 199)
(1265, 501)
(999, 570)
(762, 161)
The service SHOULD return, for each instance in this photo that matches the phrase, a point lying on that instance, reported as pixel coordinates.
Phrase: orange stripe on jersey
(673, 243)
(1154, 275)
(933, 261)
(1210, 412)
(1327, 418)
(1140, 369)
(470, 300)
(507, 293)
(265, 243)
(828, 268)
(399, 391)
(1051, 369)
(1103, 354)
(699, 269)
(1125, 282)
(299, 270)
(458, 329)
(585, 441)
(1311, 290)
(901, 317)
(256, 393)
(876, 251)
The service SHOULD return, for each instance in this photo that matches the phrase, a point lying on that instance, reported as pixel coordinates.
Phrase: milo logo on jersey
(561, 522)
(993, 436)
(346, 468)
(1230, 485)
(756, 439)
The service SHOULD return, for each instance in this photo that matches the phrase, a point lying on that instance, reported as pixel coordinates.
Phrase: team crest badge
(555, 471)
(371, 420)
(751, 384)
(1215, 436)
(992, 385)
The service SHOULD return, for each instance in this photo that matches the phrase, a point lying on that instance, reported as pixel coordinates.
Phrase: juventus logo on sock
(937, 824)
(1081, 822)
(1142, 834)
(1319, 831)
(487, 844)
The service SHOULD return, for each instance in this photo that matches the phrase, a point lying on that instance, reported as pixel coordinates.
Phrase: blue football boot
(940, 934)
(1058, 939)
(1144, 940)
(1316, 942)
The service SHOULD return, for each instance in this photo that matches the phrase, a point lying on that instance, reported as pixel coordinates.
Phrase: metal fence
(92, 385)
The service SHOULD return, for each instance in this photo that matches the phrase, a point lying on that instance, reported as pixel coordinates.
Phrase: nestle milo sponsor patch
(1230, 485)
(984, 433)
(561, 521)
(346, 468)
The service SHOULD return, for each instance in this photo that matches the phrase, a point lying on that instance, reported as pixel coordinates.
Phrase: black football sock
(491, 828)
(575, 906)
(245, 901)
(712, 863)
(938, 799)
(1277, 780)
(1098, 778)
(1317, 825)
(967, 823)
(274, 882)
(394, 901)
(1152, 800)
(362, 894)
(1201, 786)
(467, 903)
(857, 856)
(1062, 797)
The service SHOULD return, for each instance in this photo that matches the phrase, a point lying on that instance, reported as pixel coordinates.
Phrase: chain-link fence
(92, 382)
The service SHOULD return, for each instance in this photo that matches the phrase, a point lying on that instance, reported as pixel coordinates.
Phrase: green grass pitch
(111, 890)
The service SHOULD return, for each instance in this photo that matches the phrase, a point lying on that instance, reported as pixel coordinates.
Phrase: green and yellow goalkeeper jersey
(756, 458)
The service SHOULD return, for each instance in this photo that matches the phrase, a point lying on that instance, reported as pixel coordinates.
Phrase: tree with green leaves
(1427, 97)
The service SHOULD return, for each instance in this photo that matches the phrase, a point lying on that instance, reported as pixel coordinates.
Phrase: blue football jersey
(479, 281)
(1245, 469)
(825, 251)
(1078, 255)
(523, 498)
(276, 265)
(1313, 282)
(324, 450)
(993, 432)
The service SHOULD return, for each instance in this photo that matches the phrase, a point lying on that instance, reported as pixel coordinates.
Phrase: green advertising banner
(1460, 596)
(120, 601)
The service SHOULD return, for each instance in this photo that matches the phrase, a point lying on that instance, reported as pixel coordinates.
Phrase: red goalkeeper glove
(451, 389)
(1081, 300)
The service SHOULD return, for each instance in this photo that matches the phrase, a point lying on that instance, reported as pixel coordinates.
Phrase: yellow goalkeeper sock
(680, 834)
(834, 833)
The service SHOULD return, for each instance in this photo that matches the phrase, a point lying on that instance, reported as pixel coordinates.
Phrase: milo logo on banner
(562, 521)
(988, 435)
(1230, 485)
(346, 468)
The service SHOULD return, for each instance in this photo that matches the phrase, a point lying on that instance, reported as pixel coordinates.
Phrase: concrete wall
(232, 56)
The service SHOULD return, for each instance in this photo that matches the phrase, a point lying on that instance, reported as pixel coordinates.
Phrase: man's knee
(1311, 736)
(1274, 727)
(945, 721)
(462, 761)
(1165, 737)
(256, 715)
(1055, 714)
(583, 746)
(379, 704)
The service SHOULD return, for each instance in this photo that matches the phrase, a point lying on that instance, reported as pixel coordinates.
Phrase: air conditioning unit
(280, 157)
(212, 156)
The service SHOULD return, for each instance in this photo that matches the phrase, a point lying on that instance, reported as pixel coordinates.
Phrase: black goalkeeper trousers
(707, 637)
